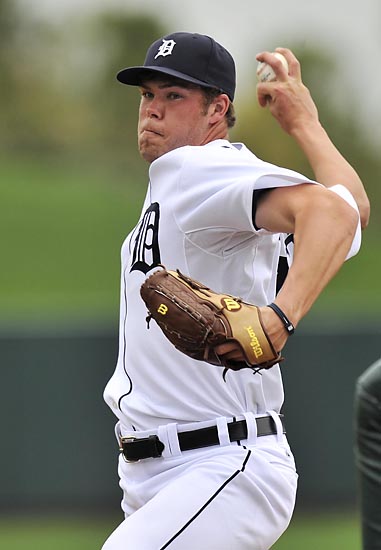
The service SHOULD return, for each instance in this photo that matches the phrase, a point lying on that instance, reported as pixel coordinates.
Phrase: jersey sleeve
(216, 185)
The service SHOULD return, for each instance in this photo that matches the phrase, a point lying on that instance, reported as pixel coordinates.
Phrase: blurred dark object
(368, 453)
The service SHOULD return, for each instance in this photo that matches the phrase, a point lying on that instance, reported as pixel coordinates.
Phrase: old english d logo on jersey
(166, 48)
(146, 253)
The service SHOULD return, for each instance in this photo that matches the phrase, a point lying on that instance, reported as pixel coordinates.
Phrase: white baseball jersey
(197, 217)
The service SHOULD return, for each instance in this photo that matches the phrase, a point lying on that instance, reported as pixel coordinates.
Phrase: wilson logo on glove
(197, 320)
(162, 309)
(230, 304)
(254, 342)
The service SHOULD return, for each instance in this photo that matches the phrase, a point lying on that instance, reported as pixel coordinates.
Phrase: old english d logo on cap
(192, 57)
(166, 48)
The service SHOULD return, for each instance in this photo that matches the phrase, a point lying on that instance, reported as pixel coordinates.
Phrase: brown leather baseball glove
(196, 320)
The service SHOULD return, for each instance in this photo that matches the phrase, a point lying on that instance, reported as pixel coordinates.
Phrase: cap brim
(134, 75)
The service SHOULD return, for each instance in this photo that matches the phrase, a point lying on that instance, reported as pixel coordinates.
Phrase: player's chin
(150, 151)
(149, 154)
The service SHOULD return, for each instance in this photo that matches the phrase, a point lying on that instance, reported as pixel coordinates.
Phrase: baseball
(265, 73)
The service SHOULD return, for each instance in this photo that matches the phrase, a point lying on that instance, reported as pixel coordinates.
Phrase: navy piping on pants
(231, 478)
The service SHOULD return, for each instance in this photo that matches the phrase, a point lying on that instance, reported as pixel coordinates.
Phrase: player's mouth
(151, 131)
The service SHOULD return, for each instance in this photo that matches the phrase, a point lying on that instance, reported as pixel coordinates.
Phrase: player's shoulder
(222, 154)
(220, 150)
(224, 149)
(218, 160)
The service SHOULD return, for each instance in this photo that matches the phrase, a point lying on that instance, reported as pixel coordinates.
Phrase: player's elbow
(364, 209)
(345, 216)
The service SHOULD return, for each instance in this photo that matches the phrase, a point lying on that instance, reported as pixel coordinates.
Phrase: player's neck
(217, 131)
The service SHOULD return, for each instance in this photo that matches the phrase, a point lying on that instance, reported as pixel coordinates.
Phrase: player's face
(170, 116)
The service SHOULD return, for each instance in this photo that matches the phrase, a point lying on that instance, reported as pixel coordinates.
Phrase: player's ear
(218, 108)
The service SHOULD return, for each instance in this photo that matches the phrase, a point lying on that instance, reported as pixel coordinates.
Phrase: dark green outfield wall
(57, 444)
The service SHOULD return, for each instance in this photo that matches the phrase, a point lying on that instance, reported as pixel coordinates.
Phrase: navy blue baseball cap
(196, 58)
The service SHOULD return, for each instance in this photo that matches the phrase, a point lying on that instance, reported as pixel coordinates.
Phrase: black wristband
(285, 320)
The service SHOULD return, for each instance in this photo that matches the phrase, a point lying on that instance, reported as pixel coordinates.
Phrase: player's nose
(155, 109)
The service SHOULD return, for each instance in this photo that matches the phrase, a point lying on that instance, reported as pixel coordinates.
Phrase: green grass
(62, 226)
(40, 534)
(321, 532)
(356, 286)
(329, 532)
(63, 230)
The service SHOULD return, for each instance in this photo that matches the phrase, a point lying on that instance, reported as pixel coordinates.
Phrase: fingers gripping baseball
(294, 69)
(281, 65)
(287, 98)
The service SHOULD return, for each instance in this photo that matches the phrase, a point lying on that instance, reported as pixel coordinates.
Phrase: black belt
(135, 449)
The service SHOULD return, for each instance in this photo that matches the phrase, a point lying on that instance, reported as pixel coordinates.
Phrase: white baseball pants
(227, 497)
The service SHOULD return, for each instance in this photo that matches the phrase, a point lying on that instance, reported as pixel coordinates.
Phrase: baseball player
(205, 462)
(368, 453)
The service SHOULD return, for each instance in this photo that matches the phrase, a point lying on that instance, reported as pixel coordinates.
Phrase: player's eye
(174, 95)
(147, 95)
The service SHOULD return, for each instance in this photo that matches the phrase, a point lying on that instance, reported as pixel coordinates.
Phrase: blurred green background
(71, 185)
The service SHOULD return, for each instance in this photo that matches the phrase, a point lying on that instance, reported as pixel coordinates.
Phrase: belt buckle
(126, 439)
(151, 446)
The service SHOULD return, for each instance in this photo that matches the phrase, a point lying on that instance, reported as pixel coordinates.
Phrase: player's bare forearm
(323, 228)
(321, 243)
(291, 104)
(329, 166)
